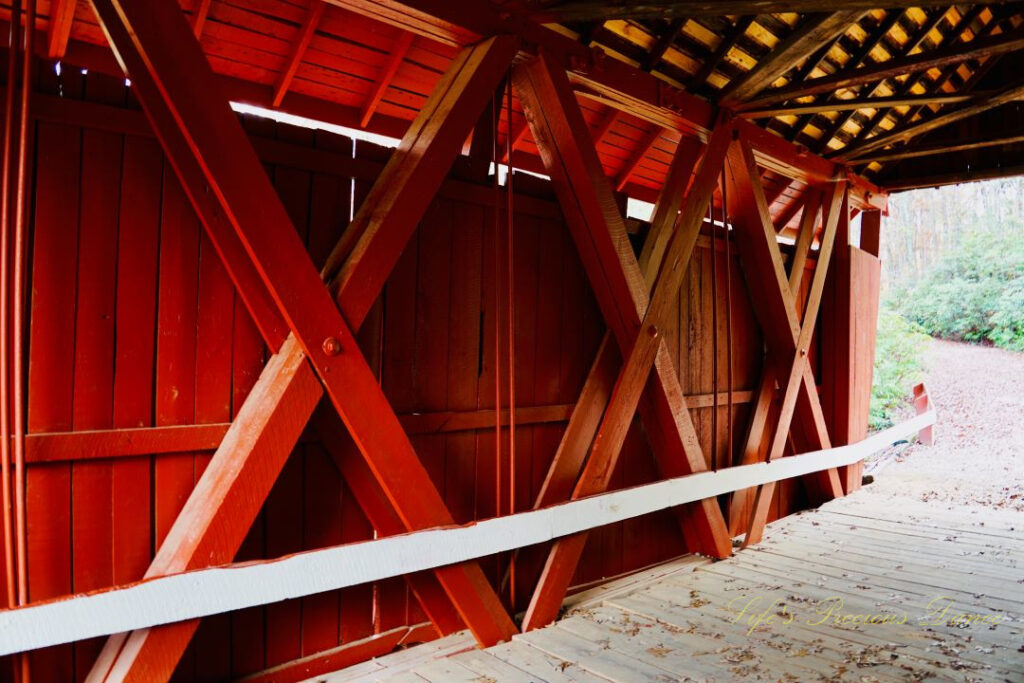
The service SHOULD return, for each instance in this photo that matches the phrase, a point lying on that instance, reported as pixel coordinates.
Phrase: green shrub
(898, 366)
(974, 293)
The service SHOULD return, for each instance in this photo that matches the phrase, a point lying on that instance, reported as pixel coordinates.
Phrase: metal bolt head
(332, 347)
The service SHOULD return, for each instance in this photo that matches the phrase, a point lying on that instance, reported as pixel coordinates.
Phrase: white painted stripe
(204, 592)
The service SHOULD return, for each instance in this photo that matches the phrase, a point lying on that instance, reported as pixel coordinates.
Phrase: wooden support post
(621, 289)
(849, 327)
(923, 404)
(871, 231)
(205, 142)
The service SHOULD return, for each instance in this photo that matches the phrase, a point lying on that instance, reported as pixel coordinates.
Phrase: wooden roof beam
(977, 71)
(1001, 97)
(954, 178)
(62, 16)
(961, 27)
(590, 10)
(606, 80)
(907, 87)
(202, 11)
(605, 125)
(951, 54)
(518, 135)
(856, 104)
(798, 46)
(871, 42)
(397, 56)
(284, 80)
(941, 148)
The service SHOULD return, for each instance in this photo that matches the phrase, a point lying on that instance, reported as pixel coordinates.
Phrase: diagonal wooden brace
(597, 228)
(229, 189)
(382, 516)
(567, 464)
(755, 447)
(565, 554)
(218, 514)
(621, 291)
(776, 310)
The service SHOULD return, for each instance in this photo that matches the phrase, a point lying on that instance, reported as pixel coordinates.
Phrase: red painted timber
(617, 280)
(166, 82)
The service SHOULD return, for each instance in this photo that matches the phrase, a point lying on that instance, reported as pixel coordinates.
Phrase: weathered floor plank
(947, 584)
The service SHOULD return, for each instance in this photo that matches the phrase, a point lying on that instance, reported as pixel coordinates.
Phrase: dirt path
(978, 456)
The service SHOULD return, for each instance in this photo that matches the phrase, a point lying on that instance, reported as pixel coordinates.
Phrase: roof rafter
(664, 42)
(955, 53)
(201, 12)
(908, 86)
(639, 154)
(398, 52)
(798, 46)
(590, 10)
(284, 81)
(978, 72)
(942, 148)
(62, 15)
(856, 104)
(870, 43)
(1001, 97)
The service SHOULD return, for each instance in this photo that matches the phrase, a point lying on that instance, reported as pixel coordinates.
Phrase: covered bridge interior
(230, 336)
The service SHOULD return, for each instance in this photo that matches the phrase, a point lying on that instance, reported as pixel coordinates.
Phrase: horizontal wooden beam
(902, 133)
(126, 443)
(954, 178)
(855, 104)
(595, 10)
(204, 592)
(943, 148)
(607, 80)
(616, 84)
(950, 54)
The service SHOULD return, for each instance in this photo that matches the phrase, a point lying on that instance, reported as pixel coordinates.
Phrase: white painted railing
(204, 592)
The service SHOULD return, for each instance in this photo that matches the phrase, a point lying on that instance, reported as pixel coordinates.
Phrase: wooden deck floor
(946, 587)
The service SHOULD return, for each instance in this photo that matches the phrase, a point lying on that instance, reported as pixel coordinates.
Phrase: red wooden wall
(134, 323)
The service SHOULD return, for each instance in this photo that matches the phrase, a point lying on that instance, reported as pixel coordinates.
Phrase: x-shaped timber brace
(787, 337)
(636, 300)
(309, 325)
